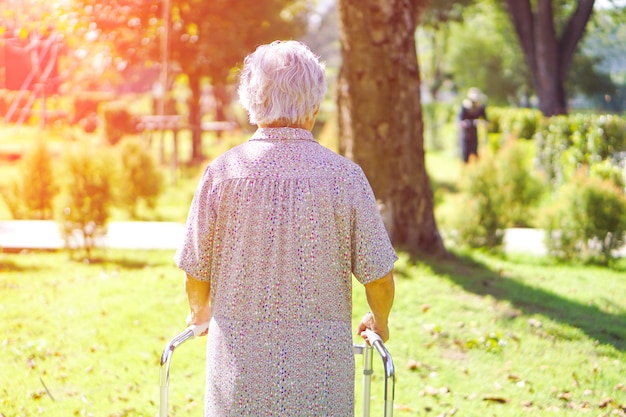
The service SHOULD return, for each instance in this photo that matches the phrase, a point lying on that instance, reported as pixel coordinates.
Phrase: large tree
(380, 116)
(549, 46)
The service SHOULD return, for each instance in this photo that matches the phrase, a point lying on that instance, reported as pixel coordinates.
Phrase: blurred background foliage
(109, 78)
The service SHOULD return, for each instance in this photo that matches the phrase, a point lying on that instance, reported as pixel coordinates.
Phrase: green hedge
(567, 143)
(520, 123)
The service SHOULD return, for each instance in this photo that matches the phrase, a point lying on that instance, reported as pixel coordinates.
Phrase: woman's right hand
(369, 322)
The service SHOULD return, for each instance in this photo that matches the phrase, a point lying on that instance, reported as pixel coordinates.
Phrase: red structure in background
(29, 65)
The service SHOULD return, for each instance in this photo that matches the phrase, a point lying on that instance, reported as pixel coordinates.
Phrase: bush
(118, 121)
(87, 197)
(521, 189)
(498, 191)
(495, 114)
(567, 143)
(517, 123)
(481, 219)
(86, 106)
(587, 220)
(436, 116)
(31, 194)
(524, 123)
(609, 171)
(139, 175)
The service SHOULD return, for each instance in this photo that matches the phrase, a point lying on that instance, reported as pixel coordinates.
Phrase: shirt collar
(282, 133)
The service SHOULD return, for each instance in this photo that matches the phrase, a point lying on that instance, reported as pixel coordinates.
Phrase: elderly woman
(276, 229)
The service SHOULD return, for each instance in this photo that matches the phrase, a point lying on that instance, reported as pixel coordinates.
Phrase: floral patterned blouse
(279, 226)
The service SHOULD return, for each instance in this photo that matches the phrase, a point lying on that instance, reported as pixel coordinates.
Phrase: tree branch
(573, 33)
(524, 21)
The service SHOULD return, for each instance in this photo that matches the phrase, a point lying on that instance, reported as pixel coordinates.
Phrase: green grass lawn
(473, 335)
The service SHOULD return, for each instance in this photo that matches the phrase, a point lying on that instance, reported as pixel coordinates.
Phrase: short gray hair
(282, 81)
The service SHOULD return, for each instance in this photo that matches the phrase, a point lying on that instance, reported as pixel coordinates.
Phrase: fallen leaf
(565, 396)
(413, 365)
(37, 395)
(605, 402)
(402, 407)
(497, 400)
(461, 345)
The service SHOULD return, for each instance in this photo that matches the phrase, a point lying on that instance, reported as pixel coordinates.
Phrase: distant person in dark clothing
(472, 111)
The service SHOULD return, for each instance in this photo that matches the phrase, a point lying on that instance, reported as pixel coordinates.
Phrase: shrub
(139, 175)
(87, 196)
(436, 116)
(480, 221)
(87, 104)
(495, 114)
(518, 123)
(587, 220)
(609, 171)
(524, 123)
(118, 121)
(31, 194)
(498, 191)
(521, 190)
(567, 143)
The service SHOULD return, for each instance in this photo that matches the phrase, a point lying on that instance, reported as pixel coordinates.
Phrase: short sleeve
(195, 253)
(373, 255)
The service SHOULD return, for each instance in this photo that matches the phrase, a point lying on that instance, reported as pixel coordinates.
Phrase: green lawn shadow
(478, 278)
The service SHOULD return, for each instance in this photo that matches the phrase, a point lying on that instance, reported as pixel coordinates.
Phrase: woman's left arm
(198, 295)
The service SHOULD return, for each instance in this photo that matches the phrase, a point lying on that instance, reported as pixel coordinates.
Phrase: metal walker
(366, 350)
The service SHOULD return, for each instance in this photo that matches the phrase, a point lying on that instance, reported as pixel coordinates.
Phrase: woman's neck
(306, 125)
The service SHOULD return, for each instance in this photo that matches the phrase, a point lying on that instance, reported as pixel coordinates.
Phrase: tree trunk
(380, 116)
(195, 119)
(220, 97)
(547, 56)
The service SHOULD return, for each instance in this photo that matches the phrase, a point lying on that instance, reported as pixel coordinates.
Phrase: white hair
(282, 82)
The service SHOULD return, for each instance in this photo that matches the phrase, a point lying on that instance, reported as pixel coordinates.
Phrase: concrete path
(43, 234)
(528, 241)
(18, 235)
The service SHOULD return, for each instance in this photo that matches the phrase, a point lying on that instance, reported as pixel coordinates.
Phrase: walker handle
(373, 337)
(198, 329)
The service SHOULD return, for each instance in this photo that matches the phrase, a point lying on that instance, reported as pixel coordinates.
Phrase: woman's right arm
(380, 295)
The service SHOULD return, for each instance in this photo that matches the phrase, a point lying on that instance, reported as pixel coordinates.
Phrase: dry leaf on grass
(500, 400)
(402, 407)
